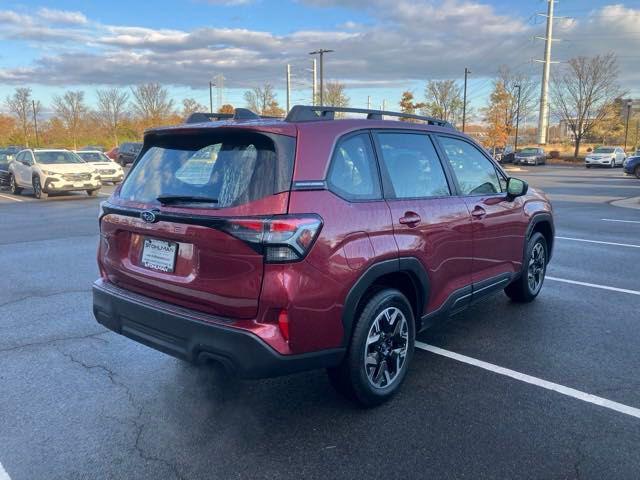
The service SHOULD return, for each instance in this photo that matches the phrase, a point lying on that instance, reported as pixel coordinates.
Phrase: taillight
(285, 238)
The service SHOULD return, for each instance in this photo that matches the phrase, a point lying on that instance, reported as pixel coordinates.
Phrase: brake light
(285, 238)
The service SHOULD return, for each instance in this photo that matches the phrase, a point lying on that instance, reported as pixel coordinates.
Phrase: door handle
(478, 212)
(411, 219)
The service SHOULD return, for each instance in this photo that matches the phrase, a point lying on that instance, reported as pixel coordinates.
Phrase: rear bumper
(194, 336)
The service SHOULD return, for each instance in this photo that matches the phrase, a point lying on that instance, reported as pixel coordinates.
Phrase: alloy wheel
(537, 264)
(386, 348)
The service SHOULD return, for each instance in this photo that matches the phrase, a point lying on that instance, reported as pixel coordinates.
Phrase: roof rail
(308, 113)
(238, 114)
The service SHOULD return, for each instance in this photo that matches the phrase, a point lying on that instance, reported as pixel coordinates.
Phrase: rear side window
(412, 165)
(476, 175)
(353, 174)
(233, 168)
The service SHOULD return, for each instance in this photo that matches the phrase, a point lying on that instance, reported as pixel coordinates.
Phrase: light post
(321, 52)
(211, 85)
(626, 128)
(515, 147)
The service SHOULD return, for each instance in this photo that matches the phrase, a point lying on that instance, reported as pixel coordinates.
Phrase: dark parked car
(531, 156)
(631, 165)
(278, 246)
(128, 152)
(5, 158)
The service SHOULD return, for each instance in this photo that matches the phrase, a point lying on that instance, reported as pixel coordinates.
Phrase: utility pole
(464, 102)
(321, 52)
(288, 87)
(626, 128)
(35, 122)
(384, 105)
(315, 84)
(219, 83)
(368, 102)
(543, 118)
(515, 147)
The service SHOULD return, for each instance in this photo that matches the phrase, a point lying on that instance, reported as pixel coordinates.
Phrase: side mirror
(516, 188)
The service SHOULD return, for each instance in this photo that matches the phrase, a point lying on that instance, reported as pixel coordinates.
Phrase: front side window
(412, 165)
(476, 175)
(353, 174)
(230, 168)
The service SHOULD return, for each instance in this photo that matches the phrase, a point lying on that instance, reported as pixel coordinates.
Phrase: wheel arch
(405, 274)
(542, 223)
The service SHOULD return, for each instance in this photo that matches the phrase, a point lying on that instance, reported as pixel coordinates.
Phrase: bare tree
(583, 91)
(335, 95)
(260, 99)
(528, 95)
(443, 100)
(191, 105)
(151, 103)
(71, 109)
(112, 104)
(20, 106)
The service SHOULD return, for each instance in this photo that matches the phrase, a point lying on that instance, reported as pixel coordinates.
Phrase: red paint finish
(298, 307)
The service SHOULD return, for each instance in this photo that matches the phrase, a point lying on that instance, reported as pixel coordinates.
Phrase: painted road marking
(3, 473)
(523, 377)
(599, 241)
(621, 221)
(594, 285)
(15, 200)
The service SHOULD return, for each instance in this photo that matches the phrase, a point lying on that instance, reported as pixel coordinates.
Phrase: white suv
(108, 170)
(52, 171)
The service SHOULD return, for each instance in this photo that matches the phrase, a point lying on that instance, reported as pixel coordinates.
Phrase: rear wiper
(169, 199)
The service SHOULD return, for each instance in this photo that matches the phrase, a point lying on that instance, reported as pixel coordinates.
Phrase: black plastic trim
(537, 218)
(193, 336)
(410, 265)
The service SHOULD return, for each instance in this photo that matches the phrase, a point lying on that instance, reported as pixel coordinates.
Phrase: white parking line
(15, 200)
(3, 473)
(523, 377)
(593, 285)
(599, 241)
(621, 221)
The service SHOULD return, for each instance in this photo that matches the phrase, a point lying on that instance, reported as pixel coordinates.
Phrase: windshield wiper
(169, 199)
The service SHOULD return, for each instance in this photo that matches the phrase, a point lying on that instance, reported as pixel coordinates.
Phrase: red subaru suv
(277, 246)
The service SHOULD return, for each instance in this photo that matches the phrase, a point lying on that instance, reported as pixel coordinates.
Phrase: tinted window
(475, 173)
(353, 172)
(412, 164)
(93, 157)
(4, 161)
(233, 168)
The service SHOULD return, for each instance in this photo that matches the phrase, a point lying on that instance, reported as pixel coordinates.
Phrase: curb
(633, 202)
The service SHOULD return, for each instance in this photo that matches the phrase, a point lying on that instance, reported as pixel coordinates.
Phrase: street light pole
(321, 52)
(464, 101)
(626, 128)
(515, 147)
(211, 84)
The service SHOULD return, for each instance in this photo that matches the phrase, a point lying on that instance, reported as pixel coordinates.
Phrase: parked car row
(48, 171)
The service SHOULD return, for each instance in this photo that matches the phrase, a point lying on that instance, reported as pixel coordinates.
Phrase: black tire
(13, 186)
(37, 189)
(352, 377)
(522, 290)
(93, 193)
(636, 172)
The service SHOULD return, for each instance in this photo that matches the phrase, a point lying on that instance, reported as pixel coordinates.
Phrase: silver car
(530, 156)
(605, 157)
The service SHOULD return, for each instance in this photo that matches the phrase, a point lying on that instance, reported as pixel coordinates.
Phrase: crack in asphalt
(51, 341)
(139, 426)
(48, 295)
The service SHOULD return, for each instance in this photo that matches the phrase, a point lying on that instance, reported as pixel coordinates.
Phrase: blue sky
(382, 46)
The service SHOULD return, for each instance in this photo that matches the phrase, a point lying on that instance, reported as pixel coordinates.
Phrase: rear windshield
(52, 158)
(233, 168)
(529, 151)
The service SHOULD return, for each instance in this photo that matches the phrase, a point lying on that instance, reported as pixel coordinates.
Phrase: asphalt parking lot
(546, 390)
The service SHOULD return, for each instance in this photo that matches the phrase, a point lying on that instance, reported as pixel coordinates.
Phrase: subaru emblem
(148, 216)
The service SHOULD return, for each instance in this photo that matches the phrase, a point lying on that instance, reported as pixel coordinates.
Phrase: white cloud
(64, 17)
(402, 41)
